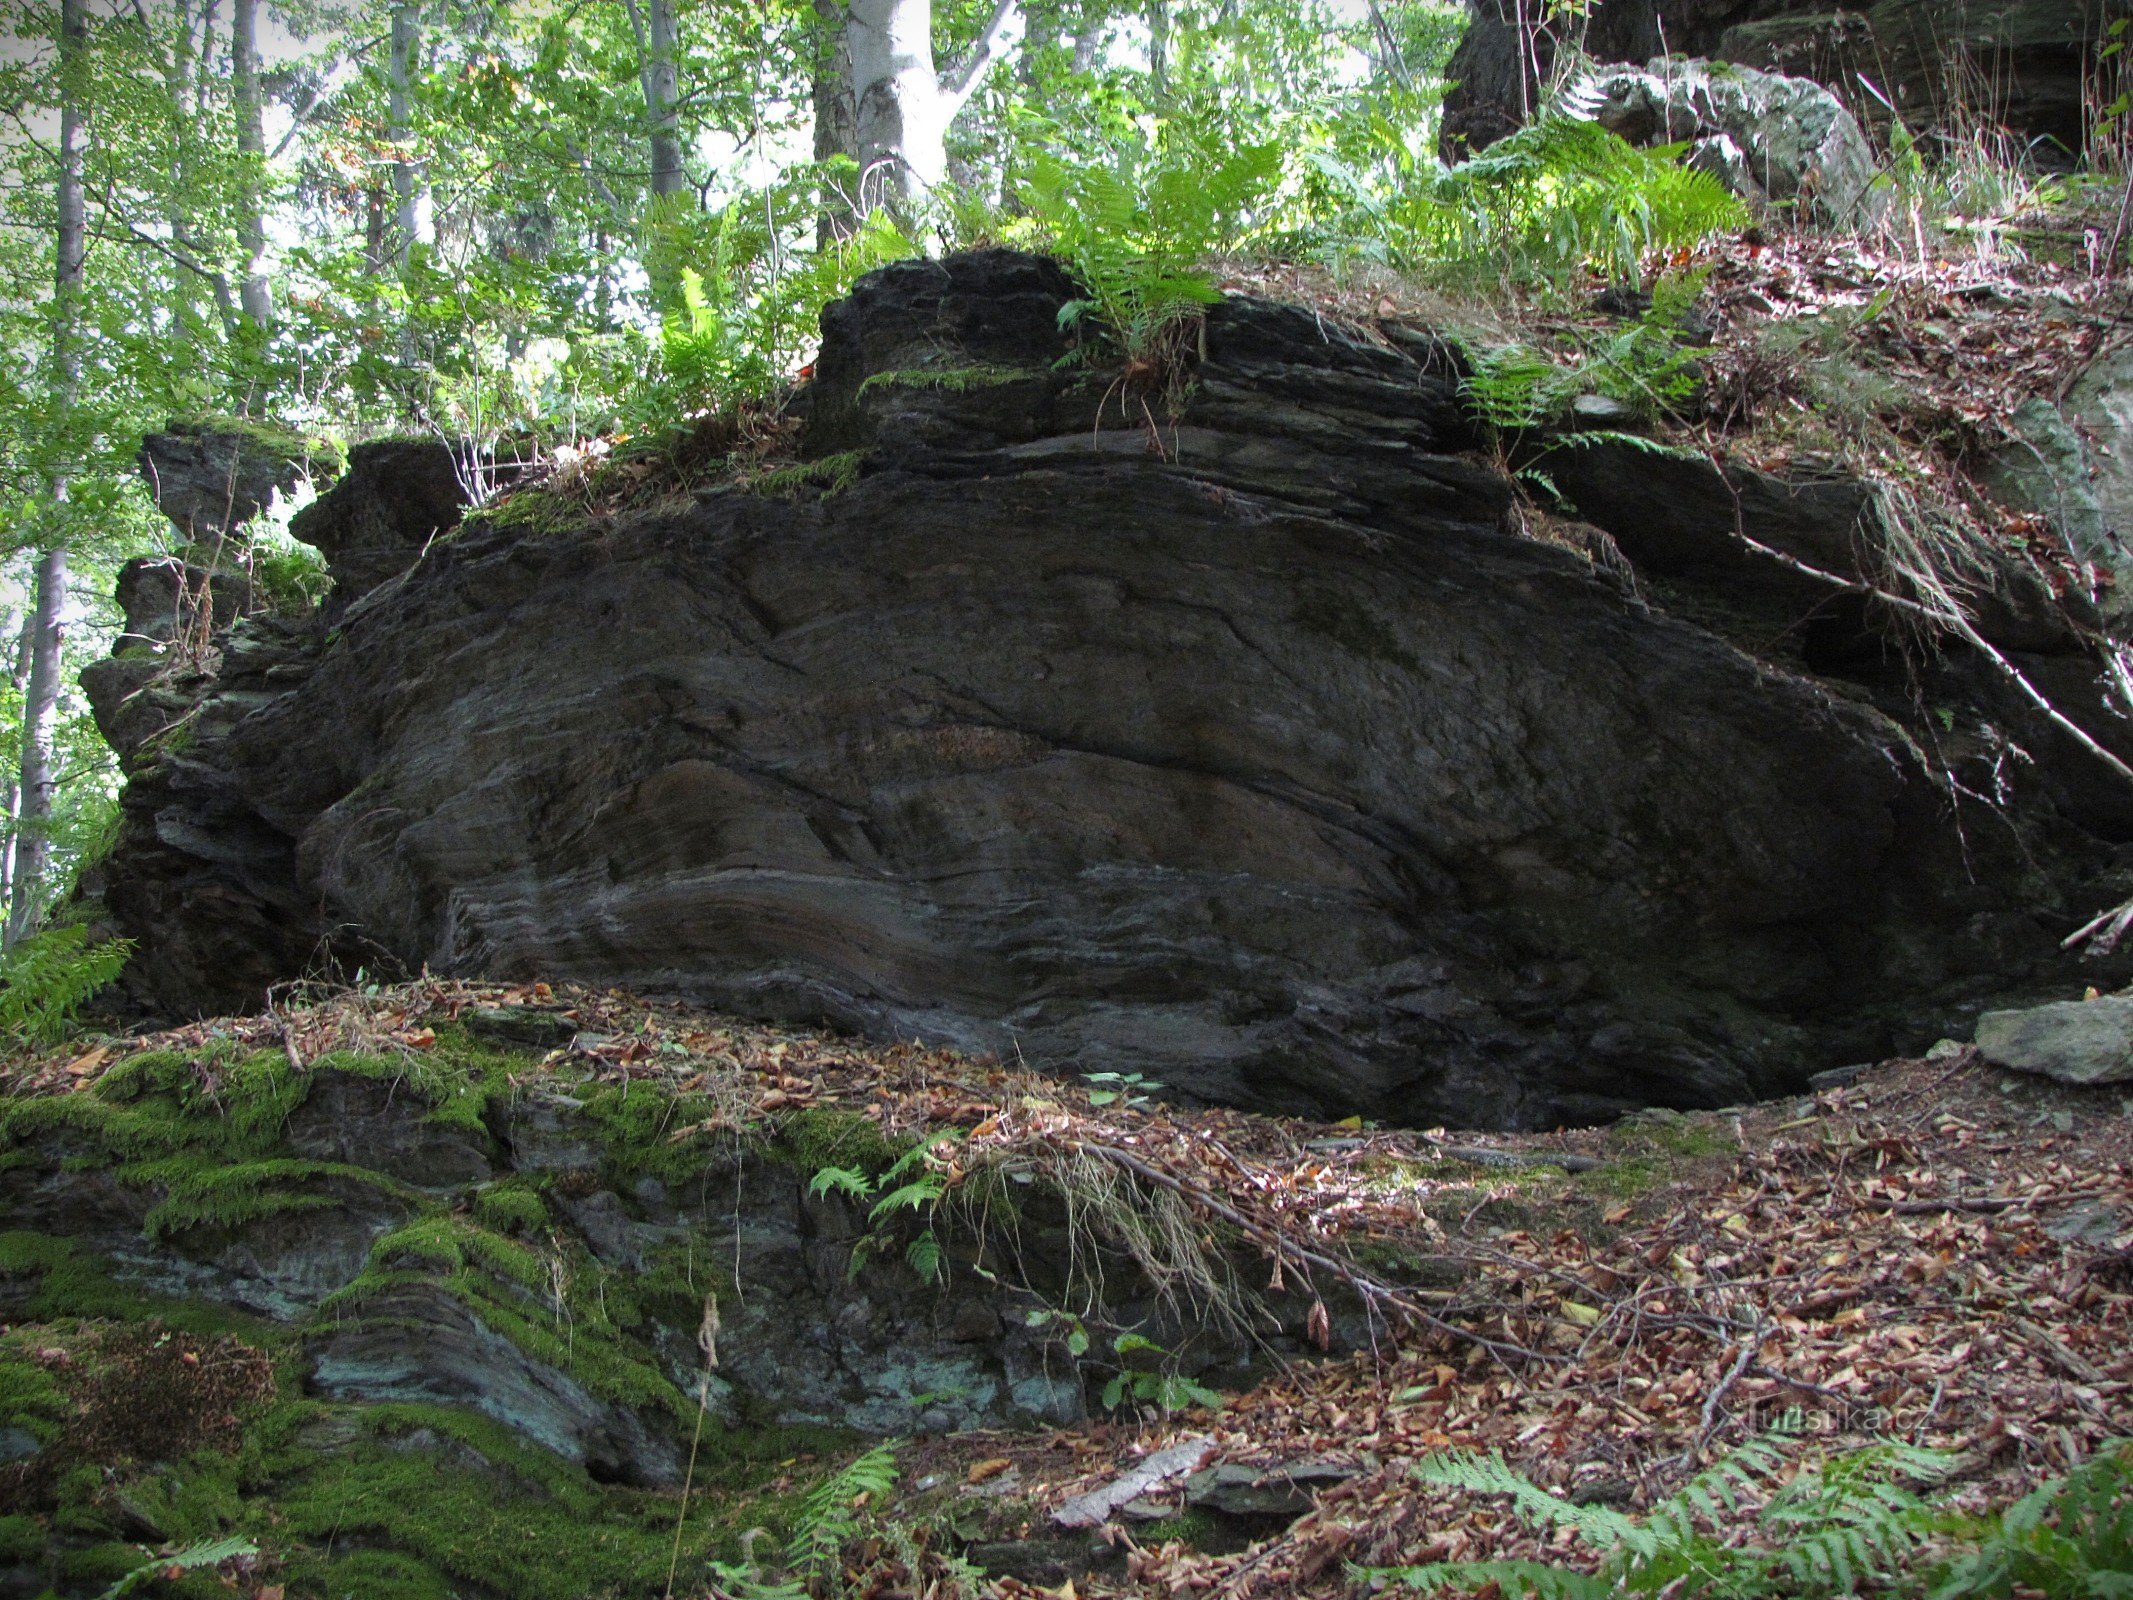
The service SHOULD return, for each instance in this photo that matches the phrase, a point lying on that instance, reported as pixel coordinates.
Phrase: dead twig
(1376, 1293)
(1714, 1402)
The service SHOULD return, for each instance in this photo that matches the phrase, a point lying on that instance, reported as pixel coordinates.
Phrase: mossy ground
(393, 1501)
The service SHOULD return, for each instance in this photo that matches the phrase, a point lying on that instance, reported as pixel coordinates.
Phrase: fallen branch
(2087, 1371)
(1984, 1202)
(1375, 1292)
(1750, 1346)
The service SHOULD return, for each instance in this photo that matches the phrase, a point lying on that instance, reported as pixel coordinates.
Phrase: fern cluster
(914, 1183)
(741, 307)
(1138, 228)
(1643, 364)
(1844, 1527)
(831, 1516)
(46, 979)
(1560, 194)
(2070, 1539)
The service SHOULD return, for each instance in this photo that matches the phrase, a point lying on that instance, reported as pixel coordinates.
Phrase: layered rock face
(2022, 62)
(1255, 752)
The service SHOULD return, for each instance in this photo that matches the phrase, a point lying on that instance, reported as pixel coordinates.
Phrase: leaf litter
(1934, 1253)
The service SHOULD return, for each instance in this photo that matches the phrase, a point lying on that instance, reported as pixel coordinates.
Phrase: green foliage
(1138, 227)
(745, 304)
(826, 475)
(46, 979)
(1829, 1531)
(210, 1553)
(1164, 1388)
(1111, 1088)
(1515, 387)
(916, 1181)
(1559, 195)
(2070, 1539)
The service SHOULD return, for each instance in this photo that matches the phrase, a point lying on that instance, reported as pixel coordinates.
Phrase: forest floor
(1934, 1252)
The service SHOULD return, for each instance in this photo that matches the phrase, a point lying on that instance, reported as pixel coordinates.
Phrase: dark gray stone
(209, 479)
(417, 1343)
(1252, 752)
(1281, 1492)
(399, 496)
(2030, 56)
(2073, 1041)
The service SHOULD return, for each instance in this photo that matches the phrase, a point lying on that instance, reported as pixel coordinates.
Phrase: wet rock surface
(1250, 750)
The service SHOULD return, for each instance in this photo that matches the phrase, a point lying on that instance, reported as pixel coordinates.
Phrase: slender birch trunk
(659, 74)
(254, 296)
(40, 704)
(410, 179)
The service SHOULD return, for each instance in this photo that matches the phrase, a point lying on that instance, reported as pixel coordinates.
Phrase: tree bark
(254, 297)
(1159, 50)
(660, 76)
(40, 701)
(410, 186)
(903, 110)
(11, 795)
(836, 116)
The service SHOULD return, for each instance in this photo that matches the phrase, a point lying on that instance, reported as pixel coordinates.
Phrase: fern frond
(46, 979)
(1598, 1526)
(827, 1517)
(1517, 1579)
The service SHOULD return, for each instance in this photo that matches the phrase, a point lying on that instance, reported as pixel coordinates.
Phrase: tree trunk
(1158, 50)
(902, 108)
(836, 117)
(410, 188)
(178, 82)
(660, 77)
(11, 794)
(258, 304)
(40, 701)
(898, 131)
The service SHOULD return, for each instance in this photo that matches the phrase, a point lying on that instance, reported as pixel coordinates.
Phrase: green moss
(830, 474)
(821, 1137)
(513, 1205)
(548, 1303)
(537, 511)
(226, 1099)
(956, 380)
(447, 1498)
(74, 1282)
(21, 1540)
(200, 1194)
(189, 1500)
(275, 441)
(30, 1400)
(1194, 1528)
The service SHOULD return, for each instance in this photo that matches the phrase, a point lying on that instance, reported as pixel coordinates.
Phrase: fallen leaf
(987, 1469)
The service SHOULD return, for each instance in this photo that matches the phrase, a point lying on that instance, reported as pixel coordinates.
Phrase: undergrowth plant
(918, 1181)
(1644, 365)
(1559, 195)
(832, 1514)
(1827, 1532)
(1137, 229)
(1742, 1531)
(46, 979)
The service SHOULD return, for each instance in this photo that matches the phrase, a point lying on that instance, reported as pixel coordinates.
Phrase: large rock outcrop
(1255, 752)
(2022, 61)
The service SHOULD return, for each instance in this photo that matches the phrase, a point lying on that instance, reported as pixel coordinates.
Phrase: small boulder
(2073, 1041)
(1767, 137)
